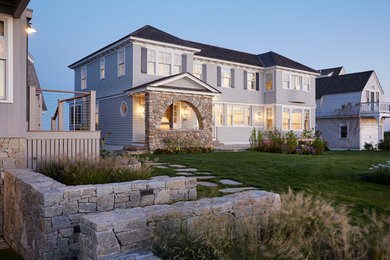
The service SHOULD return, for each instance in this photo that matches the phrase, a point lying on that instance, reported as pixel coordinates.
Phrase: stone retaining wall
(109, 234)
(42, 216)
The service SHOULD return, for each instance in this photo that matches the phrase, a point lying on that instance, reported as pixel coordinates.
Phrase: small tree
(348, 115)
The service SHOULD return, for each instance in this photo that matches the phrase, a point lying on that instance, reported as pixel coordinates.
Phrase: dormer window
(164, 63)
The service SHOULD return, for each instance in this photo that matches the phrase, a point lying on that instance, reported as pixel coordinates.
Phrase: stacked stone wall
(12, 153)
(42, 216)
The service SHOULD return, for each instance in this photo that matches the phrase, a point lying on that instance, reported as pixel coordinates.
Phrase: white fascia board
(294, 70)
(225, 62)
(141, 40)
(200, 93)
(183, 75)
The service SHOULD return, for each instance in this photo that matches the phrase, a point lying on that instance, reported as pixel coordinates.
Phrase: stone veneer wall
(1, 205)
(109, 235)
(42, 216)
(12, 153)
(156, 103)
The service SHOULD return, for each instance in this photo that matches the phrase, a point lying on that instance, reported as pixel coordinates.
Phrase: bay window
(219, 114)
(225, 77)
(296, 82)
(229, 115)
(176, 63)
(296, 119)
(197, 70)
(286, 119)
(164, 63)
(238, 115)
(269, 81)
(151, 62)
(121, 62)
(251, 80)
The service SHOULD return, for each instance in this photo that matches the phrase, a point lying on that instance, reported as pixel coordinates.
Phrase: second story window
(83, 77)
(151, 62)
(286, 81)
(102, 68)
(269, 81)
(121, 62)
(197, 70)
(251, 83)
(296, 82)
(176, 63)
(306, 84)
(164, 63)
(225, 77)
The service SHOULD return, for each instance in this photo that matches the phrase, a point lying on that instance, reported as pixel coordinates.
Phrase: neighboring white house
(335, 88)
(150, 84)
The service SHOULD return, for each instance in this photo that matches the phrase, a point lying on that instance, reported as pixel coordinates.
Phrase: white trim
(219, 62)
(127, 108)
(141, 40)
(124, 62)
(9, 58)
(278, 67)
(235, 103)
(182, 91)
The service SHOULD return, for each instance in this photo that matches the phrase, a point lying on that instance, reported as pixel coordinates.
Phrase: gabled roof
(332, 71)
(32, 78)
(352, 82)
(215, 52)
(165, 84)
(151, 33)
(271, 58)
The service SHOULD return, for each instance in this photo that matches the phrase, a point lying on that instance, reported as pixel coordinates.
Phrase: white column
(92, 110)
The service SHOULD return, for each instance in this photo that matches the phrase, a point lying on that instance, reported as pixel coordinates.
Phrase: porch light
(142, 108)
(259, 116)
(30, 29)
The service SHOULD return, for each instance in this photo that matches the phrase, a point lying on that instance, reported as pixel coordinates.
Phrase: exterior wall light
(142, 108)
(185, 111)
(259, 116)
(30, 29)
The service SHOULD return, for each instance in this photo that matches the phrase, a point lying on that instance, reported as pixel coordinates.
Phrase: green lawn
(334, 175)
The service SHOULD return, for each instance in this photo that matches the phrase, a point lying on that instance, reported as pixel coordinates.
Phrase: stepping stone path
(155, 163)
(233, 190)
(177, 166)
(185, 173)
(204, 177)
(186, 170)
(161, 167)
(207, 184)
(204, 173)
(229, 182)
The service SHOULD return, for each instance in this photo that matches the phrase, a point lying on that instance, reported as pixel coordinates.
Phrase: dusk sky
(320, 34)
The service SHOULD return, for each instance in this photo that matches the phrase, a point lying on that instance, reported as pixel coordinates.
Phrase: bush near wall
(184, 150)
(274, 141)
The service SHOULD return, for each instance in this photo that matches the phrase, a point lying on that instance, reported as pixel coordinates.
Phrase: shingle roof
(215, 52)
(335, 71)
(271, 58)
(341, 84)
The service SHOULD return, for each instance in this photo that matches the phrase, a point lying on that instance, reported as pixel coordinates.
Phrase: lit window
(83, 77)
(306, 123)
(121, 62)
(197, 71)
(251, 80)
(229, 115)
(176, 64)
(269, 81)
(286, 81)
(151, 62)
(306, 84)
(297, 82)
(286, 119)
(238, 115)
(343, 131)
(219, 113)
(225, 77)
(124, 108)
(102, 68)
(247, 115)
(3, 94)
(164, 63)
(269, 116)
(296, 119)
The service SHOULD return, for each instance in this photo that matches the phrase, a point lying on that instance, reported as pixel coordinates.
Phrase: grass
(335, 176)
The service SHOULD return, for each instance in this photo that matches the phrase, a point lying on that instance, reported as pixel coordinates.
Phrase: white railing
(374, 107)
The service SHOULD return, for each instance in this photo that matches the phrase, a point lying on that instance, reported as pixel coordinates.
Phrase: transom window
(151, 62)
(296, 82)
(164, 63)
(3, 93)
(251, 80)
(102, 68)
(121, 62)
(225, 77)
(197, 70)
(269, 81)
(83, 77)
(176, 63)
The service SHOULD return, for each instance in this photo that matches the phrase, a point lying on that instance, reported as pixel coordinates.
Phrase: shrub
(291, 142)
(105, 170)
(184, 150)
(368, 146)
(307, 134)
(304, 228)
(253, 139)
(381, 173)
(384, 145)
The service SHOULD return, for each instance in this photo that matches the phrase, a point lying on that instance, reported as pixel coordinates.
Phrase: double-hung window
(251, 80)
(269, 113)
(286, 119)
(84, 77)
(225, 77)
(176, 63)
(3, 93)
(306, 84)
(102, 68)
(269, 81)
(296, 119)
(151, 62)
(164, 63)
(297, 82)
(229, 115)
(306, 118)
(197, 70)
(121, 62)
(286, 81)
(219, 114)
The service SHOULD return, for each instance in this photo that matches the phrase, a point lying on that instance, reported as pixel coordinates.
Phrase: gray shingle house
(151, 85)
(362, 124)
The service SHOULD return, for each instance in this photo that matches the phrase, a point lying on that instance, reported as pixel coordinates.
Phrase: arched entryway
(180, 115)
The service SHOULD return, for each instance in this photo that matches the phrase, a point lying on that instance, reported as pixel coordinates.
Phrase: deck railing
(374, 107)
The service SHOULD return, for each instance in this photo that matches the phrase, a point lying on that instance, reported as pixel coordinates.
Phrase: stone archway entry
(178, 108)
